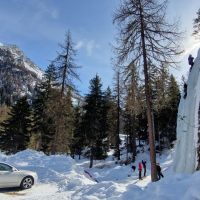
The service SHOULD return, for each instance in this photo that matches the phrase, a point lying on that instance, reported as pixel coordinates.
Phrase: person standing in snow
(140, 170)
(133, 168)
(191, 61)
(159, 173)
(144, 166)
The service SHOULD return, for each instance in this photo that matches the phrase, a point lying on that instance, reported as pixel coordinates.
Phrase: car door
(7, 176)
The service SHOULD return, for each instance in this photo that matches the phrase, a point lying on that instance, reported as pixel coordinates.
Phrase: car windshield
(4, 167)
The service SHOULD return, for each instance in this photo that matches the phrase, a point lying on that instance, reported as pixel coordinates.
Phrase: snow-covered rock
(20, 59)
(18, 74)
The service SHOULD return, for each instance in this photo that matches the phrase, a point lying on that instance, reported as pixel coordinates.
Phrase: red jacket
(140, 166)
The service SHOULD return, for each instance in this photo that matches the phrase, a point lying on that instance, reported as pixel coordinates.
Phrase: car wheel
(27, 182)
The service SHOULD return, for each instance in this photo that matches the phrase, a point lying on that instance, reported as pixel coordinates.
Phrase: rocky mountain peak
(18, 74)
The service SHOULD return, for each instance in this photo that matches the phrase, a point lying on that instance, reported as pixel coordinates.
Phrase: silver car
(11, 177)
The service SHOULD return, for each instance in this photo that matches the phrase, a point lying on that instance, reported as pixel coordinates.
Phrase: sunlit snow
(62, 178)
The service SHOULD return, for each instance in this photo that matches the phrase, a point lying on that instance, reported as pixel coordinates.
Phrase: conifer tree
(110, 115)
(165, 107)
(78, 140)
(45, 96)
(62, 115)
(173, 102)
(16, 131)
(118, 95)
(132, 108)
(63, 112)
(93, 121)
(160, 85)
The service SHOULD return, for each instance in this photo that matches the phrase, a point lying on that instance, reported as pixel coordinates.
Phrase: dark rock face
(18, 74)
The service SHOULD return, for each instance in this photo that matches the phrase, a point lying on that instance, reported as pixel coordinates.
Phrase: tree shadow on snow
(12, 191)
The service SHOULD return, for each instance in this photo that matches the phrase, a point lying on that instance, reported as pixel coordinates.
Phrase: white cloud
(91, 46)
(79, 45)
(43, 10)
(55, 14)
(88, 45)
(1, 44)
(191, 45)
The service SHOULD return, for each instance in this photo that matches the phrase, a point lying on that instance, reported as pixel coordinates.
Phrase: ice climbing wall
(186, 151)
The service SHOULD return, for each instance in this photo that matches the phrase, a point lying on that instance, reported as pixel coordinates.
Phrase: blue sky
(37, 26)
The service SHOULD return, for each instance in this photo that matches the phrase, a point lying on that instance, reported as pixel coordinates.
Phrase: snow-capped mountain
(18, 74)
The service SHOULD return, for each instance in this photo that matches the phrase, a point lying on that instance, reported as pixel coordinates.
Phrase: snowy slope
(185, 159)
(58, 169)
(62, 178)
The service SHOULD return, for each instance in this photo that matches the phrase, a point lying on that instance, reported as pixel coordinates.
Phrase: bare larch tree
(66, 65)
(146, 38)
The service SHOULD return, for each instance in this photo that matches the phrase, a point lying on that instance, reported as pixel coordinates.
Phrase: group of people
(142, 167)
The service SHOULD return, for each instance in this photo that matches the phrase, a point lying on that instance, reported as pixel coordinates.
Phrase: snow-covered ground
(61, 178)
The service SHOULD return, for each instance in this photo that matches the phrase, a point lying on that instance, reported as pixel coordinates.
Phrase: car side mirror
(14, 169)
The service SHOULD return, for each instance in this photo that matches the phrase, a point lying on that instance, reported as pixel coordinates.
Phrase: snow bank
(185, 159)
(62, 178)
(184, 187)
(58, 169)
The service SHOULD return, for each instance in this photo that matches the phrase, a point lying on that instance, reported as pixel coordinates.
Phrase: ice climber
(191, 61)
(185, 90)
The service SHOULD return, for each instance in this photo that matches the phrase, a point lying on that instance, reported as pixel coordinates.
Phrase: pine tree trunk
(134, 149)
(148, 102)
(133, 141)
(118, 118)
(91, 157)
(64, 75)
(150, 128)
(159, 139)
(127, 147)
(139, 138)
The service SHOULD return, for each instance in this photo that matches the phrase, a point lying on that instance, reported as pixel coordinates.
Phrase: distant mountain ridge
(18, 74)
